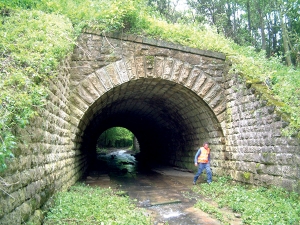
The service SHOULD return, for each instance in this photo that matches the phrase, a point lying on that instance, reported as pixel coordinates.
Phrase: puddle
(158, 190)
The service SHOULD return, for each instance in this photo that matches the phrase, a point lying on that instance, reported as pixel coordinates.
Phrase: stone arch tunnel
(172, 97)
(166, 118)
(172, 101)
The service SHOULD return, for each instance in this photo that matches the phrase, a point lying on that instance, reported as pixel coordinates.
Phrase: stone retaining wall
(185, 94)
(46, 160)
(256, 151)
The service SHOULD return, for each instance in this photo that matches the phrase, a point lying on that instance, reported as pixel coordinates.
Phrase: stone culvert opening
(169, 120)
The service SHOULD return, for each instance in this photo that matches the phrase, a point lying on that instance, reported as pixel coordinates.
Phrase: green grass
(257, 205)
(208, 208)
(88, 205)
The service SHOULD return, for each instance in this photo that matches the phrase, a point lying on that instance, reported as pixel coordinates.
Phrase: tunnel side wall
(46, 159)
(256, 151)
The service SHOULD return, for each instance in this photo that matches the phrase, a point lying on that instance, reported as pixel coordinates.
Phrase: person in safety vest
(202, 160)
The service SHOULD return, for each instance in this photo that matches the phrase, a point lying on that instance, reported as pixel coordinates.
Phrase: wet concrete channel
(164, 192)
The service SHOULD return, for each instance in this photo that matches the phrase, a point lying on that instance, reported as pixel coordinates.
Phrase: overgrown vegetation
(32, 45)
(257, 205)
(90, 205)
(35, 35)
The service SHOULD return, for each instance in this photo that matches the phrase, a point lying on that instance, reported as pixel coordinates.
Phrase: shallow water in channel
(165, 192)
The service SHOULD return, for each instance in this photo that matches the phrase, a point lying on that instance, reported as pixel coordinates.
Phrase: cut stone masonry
(172, 97)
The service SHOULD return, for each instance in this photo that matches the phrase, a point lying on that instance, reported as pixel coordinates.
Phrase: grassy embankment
(255, 205)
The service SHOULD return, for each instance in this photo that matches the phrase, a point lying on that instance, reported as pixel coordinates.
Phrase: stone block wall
(256, 152)
(46, 160)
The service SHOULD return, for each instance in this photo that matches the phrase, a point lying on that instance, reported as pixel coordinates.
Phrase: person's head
(205, 145)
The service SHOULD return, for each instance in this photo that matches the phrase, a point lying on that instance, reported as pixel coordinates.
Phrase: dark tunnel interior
(168, 119)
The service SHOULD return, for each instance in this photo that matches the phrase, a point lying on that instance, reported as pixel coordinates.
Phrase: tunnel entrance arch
(169, 120)
(172, 99)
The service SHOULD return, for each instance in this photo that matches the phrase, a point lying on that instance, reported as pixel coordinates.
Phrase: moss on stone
(265, 94)
(150, 60)
(36, 218)
(247, 175)
(258, 169)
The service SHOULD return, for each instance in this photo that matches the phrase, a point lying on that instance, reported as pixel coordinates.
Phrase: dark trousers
(201, 167)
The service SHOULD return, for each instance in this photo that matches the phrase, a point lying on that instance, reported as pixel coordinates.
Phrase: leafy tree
(271, 26)
(115, 137)
(167, 10)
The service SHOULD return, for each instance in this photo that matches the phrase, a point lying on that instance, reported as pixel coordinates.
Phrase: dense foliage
(35, 35)
(256, 205)
(115, 137)
(87, 205)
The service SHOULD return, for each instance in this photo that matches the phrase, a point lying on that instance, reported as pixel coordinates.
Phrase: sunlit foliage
(115, 137)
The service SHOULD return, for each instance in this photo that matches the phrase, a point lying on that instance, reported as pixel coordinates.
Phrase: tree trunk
(249, 16)
(262, 29)
(285, 41)
(274, 36)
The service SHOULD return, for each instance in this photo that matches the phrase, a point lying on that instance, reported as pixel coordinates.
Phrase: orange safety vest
(203, 157)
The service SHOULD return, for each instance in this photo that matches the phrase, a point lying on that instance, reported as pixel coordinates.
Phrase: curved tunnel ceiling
(163, 115)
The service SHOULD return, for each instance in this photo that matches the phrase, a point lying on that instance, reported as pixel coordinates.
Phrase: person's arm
(196, 156)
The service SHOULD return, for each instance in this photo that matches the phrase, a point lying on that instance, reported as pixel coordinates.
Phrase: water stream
(164, 192)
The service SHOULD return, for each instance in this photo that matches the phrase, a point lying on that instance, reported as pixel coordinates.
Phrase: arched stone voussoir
(131, 71)
(76, 113)
(86, 91)
(173, 69)
(113, 74)
(122, 71)
(94, 79)
(190, 76)
(77, 102)
(104, 78)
